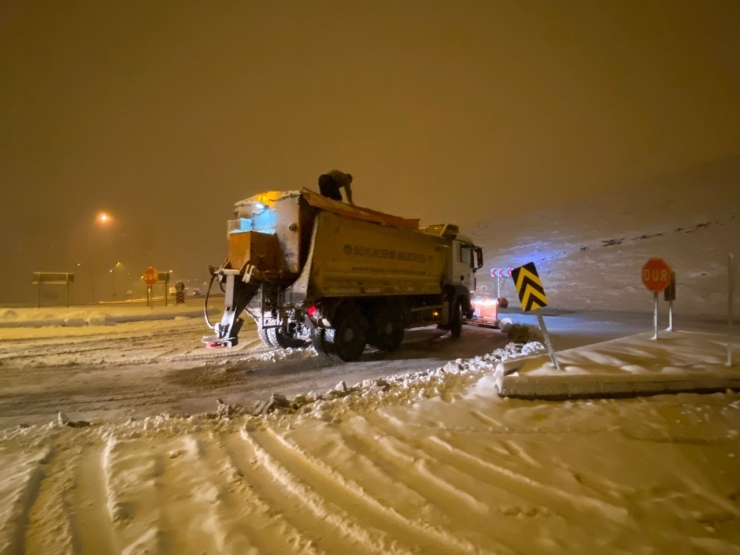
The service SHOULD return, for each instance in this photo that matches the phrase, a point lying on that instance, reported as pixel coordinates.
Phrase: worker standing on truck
(331, 183)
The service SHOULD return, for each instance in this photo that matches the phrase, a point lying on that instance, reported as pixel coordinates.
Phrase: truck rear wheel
(265, 337)
(318, 338)
(387, 329)
(346, 340)
(284, 340)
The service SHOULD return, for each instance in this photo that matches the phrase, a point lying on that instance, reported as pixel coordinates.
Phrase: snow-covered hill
(589, 254)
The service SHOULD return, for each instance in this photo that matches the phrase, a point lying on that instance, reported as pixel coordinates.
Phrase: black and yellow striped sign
(529, 287)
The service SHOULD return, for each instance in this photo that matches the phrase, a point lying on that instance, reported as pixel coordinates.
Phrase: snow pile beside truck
(311, 269)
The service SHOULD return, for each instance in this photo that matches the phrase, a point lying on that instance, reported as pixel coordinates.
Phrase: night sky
(166, 113)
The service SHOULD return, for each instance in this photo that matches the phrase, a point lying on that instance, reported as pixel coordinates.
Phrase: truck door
(462, 264)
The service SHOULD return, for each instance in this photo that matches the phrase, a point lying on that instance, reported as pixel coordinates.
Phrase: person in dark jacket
(331, 183)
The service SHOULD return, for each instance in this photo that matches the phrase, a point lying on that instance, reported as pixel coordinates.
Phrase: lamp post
(113, 273)
(101, 219)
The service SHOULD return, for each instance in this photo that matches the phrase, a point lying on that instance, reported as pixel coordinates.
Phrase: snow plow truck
(309, 269)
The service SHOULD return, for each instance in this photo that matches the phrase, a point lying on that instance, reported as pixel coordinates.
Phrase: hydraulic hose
(205, 303)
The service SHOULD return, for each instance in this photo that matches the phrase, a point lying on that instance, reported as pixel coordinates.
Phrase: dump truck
(309, 269)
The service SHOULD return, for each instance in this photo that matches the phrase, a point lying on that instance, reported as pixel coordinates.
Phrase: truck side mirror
(478, 258)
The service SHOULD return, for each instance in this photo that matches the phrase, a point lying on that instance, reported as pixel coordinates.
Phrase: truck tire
(318, 338)
(283, 340)
(265, 337)
(387, 329)
(457, 317)
(346, 340)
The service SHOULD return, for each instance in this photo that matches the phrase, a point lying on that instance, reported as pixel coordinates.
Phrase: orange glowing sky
(165, 113)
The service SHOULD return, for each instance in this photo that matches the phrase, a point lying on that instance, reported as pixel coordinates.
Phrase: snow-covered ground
(430, 462)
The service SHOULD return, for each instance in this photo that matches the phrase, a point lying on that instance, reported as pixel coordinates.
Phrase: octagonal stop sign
(656, 275)
(151, 276)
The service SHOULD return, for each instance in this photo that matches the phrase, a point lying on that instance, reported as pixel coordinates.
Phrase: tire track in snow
(258, 515)
(280, 505)
(487, 420)
(439, 492)
(20, 492)
(524, 486)
(516, 483)
(379, 475)
(51, 529)
(325, 514)
(196, 510)
(134, 487)
(93, 524)
(346, 493)
(222, 506)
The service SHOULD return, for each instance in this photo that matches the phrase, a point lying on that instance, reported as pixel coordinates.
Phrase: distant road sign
(500, 272)
(53, 278)
(529, 287)
(151, 276)
(656, 275)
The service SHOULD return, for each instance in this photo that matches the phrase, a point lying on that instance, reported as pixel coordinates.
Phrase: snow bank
(631, 366)
(94, 316)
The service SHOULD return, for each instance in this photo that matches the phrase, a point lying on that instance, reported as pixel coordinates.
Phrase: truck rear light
(311, 311)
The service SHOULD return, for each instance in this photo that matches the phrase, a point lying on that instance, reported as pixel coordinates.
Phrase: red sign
(656, 275)
(151, 276)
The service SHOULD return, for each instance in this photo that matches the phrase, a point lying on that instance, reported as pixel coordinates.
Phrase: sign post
(164, 277)
(656, 275)
(532, 296)
(52, 278)
(150, 277)
(498, 273)
(669, 294)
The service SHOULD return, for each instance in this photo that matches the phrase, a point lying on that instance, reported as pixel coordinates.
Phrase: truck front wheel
(457, 317)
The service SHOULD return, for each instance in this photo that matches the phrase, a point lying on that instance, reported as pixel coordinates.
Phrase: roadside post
(669, 294)
(532, 297)
(52, 278)
(498, 273)
(730, 295)
(164, 277)
(150, 277)
(656, 276)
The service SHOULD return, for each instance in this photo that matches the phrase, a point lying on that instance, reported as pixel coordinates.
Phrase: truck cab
(466, 259)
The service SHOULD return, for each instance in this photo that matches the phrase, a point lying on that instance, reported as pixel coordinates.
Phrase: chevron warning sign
(529, 287)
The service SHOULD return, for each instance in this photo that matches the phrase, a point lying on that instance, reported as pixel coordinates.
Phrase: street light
(100, 219)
